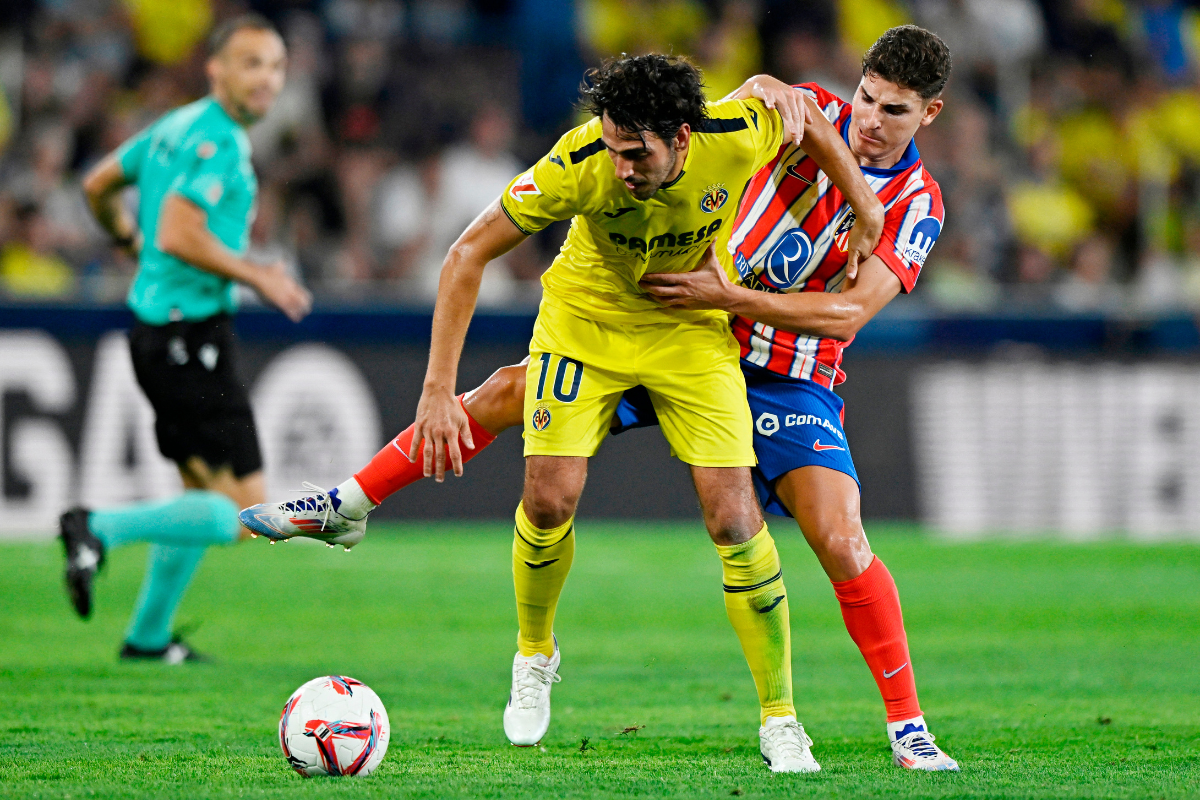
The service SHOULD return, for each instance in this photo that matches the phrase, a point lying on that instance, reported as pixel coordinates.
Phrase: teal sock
(196, 517)
(168, 572)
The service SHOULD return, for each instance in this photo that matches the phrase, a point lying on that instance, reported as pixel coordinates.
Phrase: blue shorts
(797, 423)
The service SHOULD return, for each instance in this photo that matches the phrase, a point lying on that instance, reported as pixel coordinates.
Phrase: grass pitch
(1048, 670)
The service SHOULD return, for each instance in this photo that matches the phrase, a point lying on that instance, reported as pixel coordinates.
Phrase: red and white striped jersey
(791, 233)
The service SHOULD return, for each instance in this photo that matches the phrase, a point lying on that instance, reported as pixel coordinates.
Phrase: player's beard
(648, 189)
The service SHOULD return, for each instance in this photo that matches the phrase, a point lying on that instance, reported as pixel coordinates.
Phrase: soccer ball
(334, 726)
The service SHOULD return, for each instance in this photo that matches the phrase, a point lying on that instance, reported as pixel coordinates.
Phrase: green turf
(1048, 670)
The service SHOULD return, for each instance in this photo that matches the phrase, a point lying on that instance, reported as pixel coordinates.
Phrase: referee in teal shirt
(197, 189)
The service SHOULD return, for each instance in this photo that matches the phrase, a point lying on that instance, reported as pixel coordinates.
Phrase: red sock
(390, 470)
(871, 609)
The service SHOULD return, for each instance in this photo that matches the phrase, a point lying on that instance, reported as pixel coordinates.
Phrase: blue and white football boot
(913, 747)
(315, 516)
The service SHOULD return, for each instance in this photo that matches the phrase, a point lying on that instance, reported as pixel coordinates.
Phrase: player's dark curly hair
(912, 58)
(653, 93)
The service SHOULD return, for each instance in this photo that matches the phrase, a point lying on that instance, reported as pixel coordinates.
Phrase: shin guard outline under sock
(756, 603)
(541, 560)
(871, 609)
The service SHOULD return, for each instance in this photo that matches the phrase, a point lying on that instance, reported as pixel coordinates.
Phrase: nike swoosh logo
(617, 213)
(791, 170)
(754, 116)
(540, 564)
(887, 674)
(557, 160)
(774, 603)
(822, 447)
(403, 452)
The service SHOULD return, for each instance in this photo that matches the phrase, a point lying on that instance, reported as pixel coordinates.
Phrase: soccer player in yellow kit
(673, 179)
(668, 190)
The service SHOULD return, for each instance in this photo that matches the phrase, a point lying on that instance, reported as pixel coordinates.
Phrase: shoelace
(531, 680)
(919, 743)
(789, 739)
(317, 503)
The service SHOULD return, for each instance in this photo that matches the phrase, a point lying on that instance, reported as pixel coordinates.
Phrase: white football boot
(315, 516)
(527, 715)
(913, 748)
(785, 746)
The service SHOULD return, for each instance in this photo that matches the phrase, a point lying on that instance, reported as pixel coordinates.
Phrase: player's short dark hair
(653, 93)
(912, 58)
(243, 22)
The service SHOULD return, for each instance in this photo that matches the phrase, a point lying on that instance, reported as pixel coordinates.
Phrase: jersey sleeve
(208, 171)
(545, 193)
(766, 130)
(132, 154)
(911, 228)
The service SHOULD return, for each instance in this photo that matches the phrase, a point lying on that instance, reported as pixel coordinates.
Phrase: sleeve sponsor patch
(921, 241)
(522, 186)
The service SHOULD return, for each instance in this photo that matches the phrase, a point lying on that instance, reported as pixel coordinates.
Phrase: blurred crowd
(1068, 153)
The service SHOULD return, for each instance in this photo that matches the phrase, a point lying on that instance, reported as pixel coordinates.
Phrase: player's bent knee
(499, 401)
(547, 510)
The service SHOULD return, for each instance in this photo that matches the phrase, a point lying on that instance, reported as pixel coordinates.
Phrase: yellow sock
(541, 560)
(757, 606)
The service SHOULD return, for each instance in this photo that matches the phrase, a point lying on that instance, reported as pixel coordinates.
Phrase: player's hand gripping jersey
(615, 239)
(790, 236)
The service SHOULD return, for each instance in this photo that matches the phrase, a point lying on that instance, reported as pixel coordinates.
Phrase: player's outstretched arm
(440, 419)
(183, 233)
(102, 187)
(833, 315)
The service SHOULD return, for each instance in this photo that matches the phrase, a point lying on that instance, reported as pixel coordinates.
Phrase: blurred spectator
(29, 267)
(469, 177)
(729, 49)
(1068, 155)
(168, 30)
(612, 27)
(861, 21)
(365, 19)
(1089, 284)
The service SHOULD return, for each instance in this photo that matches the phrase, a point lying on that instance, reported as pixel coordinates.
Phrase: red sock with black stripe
(390, 470)
(871, 609)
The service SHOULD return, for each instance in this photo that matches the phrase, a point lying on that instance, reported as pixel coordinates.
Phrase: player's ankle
(900, 727)
(350, 500)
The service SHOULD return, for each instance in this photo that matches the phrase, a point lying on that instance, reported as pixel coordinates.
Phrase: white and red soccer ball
(334, 726)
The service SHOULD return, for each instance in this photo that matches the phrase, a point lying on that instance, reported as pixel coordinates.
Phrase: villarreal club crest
(714, 197)
(541, 418)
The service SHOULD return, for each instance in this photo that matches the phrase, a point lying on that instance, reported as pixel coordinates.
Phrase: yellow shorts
(579, 368)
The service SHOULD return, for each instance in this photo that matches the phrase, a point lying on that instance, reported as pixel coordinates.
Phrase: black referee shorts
(188, 370)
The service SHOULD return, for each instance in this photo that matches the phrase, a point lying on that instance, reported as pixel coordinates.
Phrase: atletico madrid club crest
(714, 197)
(841, 236)
(541, 418)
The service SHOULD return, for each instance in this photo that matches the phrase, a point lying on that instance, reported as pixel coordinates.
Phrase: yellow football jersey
(615, 239)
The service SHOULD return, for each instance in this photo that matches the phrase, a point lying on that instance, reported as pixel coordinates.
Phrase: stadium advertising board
(1079, 446)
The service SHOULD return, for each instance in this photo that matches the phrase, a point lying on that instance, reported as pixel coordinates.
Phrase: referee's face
(247, 74)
